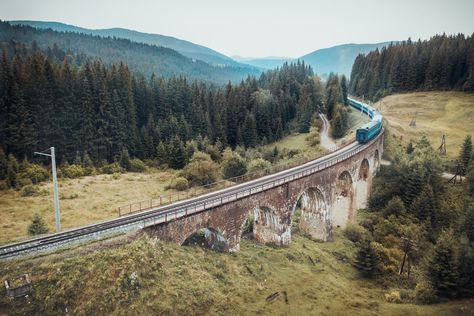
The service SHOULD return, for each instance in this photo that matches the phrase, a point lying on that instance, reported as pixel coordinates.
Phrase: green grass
(82, 201)
(174, 280)
(450, 113)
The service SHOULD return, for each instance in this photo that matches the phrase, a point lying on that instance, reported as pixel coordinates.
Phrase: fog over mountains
(337, 59)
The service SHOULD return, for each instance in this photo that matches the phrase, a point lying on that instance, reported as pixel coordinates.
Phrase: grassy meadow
(146, 276)
(449, 113)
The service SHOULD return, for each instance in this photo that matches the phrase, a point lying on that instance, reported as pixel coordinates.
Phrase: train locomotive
(367, 131)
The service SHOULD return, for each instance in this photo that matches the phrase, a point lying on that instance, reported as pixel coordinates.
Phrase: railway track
(178, 209)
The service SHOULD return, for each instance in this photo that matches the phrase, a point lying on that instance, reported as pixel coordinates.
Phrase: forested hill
(441, 63)
(88, 109)
(186, 48)
(140, 57)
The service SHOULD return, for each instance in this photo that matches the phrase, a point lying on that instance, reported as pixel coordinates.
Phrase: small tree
(125, 159)
(37, 226)
(465, 154)
(394, 207)
(442, 265)
(233, 165)
(201, 170)
(367, 260)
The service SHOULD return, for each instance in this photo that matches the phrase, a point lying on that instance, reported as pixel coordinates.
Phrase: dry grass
(174, 280)
(450, 113)
(82, 201)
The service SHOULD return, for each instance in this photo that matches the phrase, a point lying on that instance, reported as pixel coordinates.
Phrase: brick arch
(363, 184)
(376, 162)
(343, 204)
(212, 236)
(270, 226)
(315, 219)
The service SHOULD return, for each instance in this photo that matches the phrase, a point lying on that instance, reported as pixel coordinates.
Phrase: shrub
(355, 233)
(259, 166)
(201, 170)
(313, 138)
(29, 190)
(21, 182)
(136, 165)
(35, 173)
(425, 293)
(233, 165)
(37, 226)
(367, 260)
(72, 171)
(112, 168)
(393, 297)
(179, 183)
(3, 185)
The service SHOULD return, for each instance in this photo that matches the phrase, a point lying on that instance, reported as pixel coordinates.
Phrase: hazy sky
(259, 28)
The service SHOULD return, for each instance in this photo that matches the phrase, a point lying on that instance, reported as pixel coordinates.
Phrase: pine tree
(250, 131)
(37, 226)
(367, 260)
(161, 154)
(442, 266)
(344, 90)
(125, 159)
(176, 153)
(465, 155)
(413, 186)
(12, 171)
(424, 206)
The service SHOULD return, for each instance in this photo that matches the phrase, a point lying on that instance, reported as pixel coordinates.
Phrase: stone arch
(376, 162)
(363, 185)
(207, 237)
(314, 219)
(270, 227)
(343, 208)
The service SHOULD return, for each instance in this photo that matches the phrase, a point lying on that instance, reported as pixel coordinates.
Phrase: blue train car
(368, 131)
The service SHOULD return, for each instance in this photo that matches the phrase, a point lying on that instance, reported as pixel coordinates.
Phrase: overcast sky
(258, 28)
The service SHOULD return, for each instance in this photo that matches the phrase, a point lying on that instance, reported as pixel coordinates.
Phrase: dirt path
(326, 140)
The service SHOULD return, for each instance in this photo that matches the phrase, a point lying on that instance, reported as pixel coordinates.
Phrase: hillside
(147, 276)
(265, 62)
(338, 59)
(449, 113)
(186, 48)
(140, 57)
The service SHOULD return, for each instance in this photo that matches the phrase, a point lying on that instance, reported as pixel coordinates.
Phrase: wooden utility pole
(442, 147)
(408, 246)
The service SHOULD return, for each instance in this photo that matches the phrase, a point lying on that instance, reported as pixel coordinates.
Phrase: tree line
(140, 57)
(440, 63)
(84, 107)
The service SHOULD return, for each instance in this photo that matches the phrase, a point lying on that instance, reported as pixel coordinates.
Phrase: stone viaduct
(327, 198)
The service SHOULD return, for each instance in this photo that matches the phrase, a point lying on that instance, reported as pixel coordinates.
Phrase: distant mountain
(186, 48)
(338, 59)
(140, 57)
(264, 63)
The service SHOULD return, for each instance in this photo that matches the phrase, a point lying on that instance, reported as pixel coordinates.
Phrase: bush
(29, 190)
(72, 171)
(179, 183)
(136, 165)
(3, 185)
(112, 168)
(35, 173)
(313, 138)
(355, 233)
(21, 182)
(233, 165)
(393, 297)
(259, 166)
(425, 293)
(201, 170)
(37, 226)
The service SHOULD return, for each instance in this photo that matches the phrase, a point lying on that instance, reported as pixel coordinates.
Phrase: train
(367, 131)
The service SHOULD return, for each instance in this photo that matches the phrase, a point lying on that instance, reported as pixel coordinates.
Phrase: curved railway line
(180, 209)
